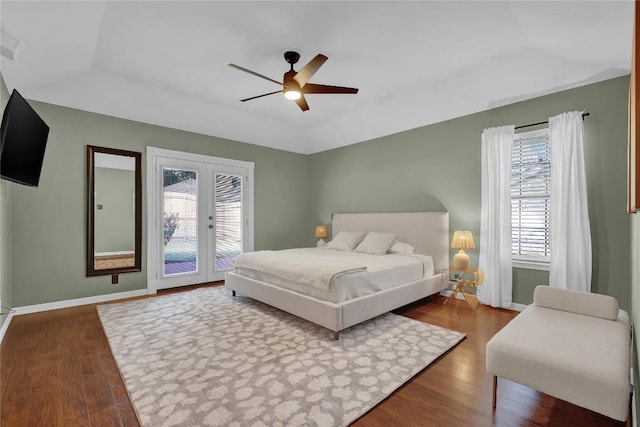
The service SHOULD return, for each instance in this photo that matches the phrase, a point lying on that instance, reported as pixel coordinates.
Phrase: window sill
(531, 265)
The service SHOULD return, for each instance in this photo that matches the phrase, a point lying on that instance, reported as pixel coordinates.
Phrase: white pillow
(345, 240)
(376, 243)
(402, 248)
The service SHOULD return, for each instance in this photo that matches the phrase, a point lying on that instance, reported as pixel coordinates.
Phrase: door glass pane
(228, 194)
(180, 190)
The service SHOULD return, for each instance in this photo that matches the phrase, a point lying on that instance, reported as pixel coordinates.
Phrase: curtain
(570, 236)
(495, 217)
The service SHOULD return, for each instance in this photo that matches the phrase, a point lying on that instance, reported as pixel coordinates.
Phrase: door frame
(154, 203)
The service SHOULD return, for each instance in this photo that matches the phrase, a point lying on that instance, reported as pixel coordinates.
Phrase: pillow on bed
(376, 243)
(346, 240)
(402, 248)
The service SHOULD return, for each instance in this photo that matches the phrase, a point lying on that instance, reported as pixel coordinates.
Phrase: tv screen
(23, 140)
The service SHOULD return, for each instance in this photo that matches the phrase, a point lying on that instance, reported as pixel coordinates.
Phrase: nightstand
(464, 280)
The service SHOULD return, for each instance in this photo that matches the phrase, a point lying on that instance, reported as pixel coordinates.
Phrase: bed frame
(428, 232)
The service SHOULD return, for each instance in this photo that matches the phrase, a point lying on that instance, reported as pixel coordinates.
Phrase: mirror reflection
(113, 211)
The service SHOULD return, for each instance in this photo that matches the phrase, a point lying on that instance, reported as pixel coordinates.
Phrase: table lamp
(462, 240)
(321, 233)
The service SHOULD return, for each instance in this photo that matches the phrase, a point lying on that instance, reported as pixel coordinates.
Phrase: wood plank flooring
(56, 369)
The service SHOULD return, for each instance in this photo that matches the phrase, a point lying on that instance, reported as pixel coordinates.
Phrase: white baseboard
(517, 307)
(5, 325)
(78, 301)
(514, 305)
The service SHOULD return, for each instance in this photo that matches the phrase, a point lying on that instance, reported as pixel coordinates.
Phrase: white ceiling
(415, 63)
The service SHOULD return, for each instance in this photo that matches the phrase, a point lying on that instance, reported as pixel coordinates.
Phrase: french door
(200, 217)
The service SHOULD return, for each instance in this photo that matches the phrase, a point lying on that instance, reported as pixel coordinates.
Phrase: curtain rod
(546, 122)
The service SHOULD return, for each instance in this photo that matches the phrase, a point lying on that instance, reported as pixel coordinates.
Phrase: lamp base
(461, 261)
(321, 243)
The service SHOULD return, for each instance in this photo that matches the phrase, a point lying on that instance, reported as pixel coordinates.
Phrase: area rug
(205, 358)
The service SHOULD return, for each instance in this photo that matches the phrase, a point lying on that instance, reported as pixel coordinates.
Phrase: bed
(336, 308)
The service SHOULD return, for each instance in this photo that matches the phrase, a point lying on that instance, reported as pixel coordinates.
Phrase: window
(530, 198)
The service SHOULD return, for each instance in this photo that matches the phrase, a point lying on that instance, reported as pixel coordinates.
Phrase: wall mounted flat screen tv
(23, 140)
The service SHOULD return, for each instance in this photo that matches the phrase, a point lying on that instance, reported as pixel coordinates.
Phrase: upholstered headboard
(428, 232)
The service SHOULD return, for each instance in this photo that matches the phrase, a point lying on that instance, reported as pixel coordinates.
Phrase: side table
(471, 278)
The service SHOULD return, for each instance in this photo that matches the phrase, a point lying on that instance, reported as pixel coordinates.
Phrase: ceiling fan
(295, 83)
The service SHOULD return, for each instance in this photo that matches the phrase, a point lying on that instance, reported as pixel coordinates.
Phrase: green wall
(49, 221)
(437, 167)
(6, 289)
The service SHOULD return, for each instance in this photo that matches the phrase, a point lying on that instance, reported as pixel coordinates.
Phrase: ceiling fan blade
(314, 88)
(237, 67)
(309, 70)
(259, 96)
(302, 103)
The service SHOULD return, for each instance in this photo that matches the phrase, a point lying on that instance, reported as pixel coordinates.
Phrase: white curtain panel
(570, 235)
(495, 217)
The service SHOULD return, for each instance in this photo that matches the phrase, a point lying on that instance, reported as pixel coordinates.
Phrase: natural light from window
(530, 198)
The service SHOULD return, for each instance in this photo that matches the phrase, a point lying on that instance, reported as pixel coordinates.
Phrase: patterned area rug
(205, 358)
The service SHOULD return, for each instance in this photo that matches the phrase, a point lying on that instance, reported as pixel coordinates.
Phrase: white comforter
(317, 269)
(382, 272)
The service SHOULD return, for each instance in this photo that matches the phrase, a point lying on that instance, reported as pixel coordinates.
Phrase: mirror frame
(90, 259)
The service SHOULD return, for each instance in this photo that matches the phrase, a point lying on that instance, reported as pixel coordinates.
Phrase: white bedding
(383, 272)
(298, 267)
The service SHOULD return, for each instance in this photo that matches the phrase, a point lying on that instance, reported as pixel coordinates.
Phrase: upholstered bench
(572, 345)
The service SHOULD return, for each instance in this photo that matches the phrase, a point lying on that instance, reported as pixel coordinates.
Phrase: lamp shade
(321, 231)
(462, 240)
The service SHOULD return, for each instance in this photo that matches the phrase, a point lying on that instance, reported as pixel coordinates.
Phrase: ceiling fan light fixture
(292, 94)
(295, 84)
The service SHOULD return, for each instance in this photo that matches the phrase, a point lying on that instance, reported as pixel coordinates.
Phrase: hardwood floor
(56, 369)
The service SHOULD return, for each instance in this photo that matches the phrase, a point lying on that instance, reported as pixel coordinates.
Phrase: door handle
(210, 226)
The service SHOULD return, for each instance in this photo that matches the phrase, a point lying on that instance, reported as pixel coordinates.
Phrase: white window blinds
(530, 197)
(228, 220)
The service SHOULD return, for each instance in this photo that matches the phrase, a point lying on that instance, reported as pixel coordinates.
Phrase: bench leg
(629, 421)
(495, 389)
